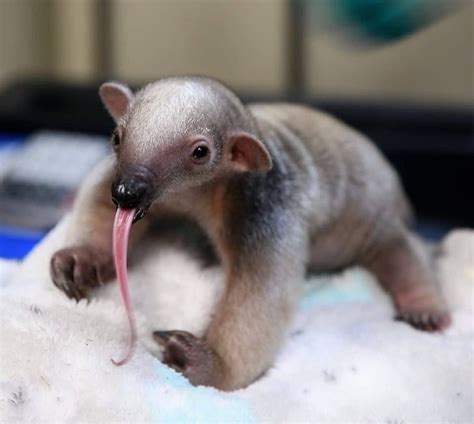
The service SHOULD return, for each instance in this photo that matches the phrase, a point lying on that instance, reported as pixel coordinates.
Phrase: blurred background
(401, 71)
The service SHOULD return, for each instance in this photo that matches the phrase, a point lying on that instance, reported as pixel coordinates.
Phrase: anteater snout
(131, 191)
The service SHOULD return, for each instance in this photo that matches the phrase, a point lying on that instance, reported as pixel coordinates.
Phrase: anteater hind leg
(403, 270)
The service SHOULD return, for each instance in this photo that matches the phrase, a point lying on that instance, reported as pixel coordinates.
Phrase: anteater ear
(116, 98)
(246, 153)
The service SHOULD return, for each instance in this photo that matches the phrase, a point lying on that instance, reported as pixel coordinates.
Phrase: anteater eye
(200, 153)
(115, 138)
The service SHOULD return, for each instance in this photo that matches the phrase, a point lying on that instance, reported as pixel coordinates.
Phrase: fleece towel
(344, 359)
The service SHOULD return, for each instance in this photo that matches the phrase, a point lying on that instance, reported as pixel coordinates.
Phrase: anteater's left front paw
(188, 355)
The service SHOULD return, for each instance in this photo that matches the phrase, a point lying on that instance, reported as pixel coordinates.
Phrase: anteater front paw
(188, 355)
(76, 270)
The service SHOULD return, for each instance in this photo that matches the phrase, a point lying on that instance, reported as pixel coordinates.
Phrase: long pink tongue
(123, 222)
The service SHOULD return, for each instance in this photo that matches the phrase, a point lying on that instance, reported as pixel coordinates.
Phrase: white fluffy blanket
(345, 359)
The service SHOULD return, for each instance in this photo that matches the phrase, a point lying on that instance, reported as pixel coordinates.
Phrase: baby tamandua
(278, 188)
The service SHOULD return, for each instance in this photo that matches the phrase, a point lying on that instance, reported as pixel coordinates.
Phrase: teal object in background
(379, 21)
(383, 20)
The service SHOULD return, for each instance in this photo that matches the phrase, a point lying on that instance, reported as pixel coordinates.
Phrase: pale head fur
(159, 127)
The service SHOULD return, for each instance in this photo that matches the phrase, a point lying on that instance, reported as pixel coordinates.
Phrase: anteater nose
(129, 194)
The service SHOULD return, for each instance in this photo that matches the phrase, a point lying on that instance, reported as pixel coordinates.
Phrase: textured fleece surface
(344, 360)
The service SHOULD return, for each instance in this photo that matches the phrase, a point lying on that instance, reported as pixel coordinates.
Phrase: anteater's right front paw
(76, 270)
(189, 356)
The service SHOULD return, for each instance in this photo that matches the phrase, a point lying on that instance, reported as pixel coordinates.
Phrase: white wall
(240, 41)
(24, 38)
(74, 32)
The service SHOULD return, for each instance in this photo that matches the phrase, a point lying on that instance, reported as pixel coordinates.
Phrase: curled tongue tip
(123, 222)
(128, 355)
